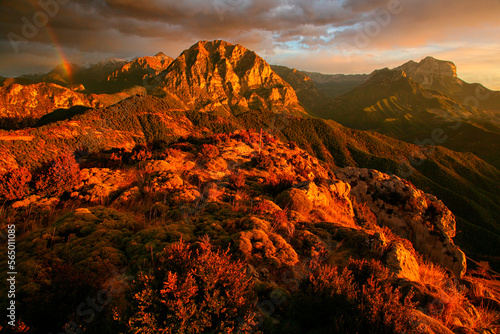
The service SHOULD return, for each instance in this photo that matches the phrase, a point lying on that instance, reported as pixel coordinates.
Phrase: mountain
(442, 76)
(94, 77)
(139, 72)
(221, 77)
(334, 85)
(307, 92)
(23, 105)
(391, 103)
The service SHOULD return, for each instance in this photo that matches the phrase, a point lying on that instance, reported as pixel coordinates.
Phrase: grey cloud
(132, 28)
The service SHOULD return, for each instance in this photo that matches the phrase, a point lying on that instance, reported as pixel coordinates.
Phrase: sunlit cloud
(349, 36)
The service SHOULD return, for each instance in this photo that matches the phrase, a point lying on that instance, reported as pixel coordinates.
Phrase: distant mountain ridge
(442, 76)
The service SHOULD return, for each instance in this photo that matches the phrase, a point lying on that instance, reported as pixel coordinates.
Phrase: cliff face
(36, 100)
(218, 76)
(33, 101)
(430, 66)
(410, 213)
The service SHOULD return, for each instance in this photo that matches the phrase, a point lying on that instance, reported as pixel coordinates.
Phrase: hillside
(465, 183)
(391, 103)
(334, 85)
(230, 223)
(203, 194)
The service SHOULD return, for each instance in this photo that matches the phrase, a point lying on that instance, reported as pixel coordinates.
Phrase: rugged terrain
(284, 222)
(284, 214)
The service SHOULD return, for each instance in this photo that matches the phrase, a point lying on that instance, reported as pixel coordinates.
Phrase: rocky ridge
(219, 76)
(34, 101)
(410, 213)
(140, 71)
(310, 193)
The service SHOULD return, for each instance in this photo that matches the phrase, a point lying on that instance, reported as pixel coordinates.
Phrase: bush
(276, 183)
(140, 153)
(193, 291)
(364, 216)
(331, 301)
(14, 185)
(208, 151)
(61, 175)
(263, 161)
(237, 180)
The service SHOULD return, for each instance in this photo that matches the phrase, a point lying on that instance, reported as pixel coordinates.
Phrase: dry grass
(454, 305)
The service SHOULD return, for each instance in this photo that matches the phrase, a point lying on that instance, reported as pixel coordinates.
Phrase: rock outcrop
(219, 76)
(410, 213)
(33, 101)
(430, 66)
(140, 71)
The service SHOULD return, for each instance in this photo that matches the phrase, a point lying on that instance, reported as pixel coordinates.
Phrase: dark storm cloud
(126, 28)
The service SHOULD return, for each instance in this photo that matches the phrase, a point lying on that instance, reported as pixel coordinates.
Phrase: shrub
(281, 224)
(364, 216)
(263, 161)
(208, 151)
(331, 301)
(140, 153)
(61, 175)
(193, 291)
(275, 183)
(15, 184)
(237, 180)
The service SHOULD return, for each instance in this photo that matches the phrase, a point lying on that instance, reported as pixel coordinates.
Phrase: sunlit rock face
(219, 76)
(410, 213)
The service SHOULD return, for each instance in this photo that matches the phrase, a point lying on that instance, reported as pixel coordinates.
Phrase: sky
(344, 36)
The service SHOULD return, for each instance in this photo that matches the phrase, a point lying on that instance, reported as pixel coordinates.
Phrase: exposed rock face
(418, 217)
(402, 262)
(33, 101)
(218, 76)
(36, 100)
(140, 71)
(430, 66)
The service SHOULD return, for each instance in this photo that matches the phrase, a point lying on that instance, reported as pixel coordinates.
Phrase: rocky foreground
(276, 209)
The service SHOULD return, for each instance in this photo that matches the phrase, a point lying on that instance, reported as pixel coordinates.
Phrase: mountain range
(366, 190)
(237, 88)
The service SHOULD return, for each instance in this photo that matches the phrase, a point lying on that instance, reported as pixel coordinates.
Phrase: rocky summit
(219, 76)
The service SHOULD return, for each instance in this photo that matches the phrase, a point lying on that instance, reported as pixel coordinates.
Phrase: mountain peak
(110, 61)
(220, 76)
(430, 66)
(160, 55)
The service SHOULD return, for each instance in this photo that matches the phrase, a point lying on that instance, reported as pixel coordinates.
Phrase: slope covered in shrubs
(224, 233)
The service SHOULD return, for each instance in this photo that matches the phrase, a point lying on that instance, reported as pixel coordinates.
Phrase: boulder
(296, 200)
(402, 262)
(410, 213)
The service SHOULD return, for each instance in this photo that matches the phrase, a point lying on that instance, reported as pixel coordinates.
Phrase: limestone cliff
(140, 71)
(410, 213)
(219, 76)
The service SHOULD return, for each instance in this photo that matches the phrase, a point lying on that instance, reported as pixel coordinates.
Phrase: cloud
(306, 28)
